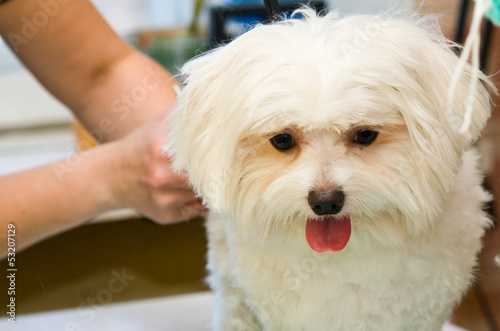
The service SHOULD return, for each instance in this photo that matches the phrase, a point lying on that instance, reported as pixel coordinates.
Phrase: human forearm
(53, 198)
(135, 90)
(69, 52)
(130, 172)
(110, 87)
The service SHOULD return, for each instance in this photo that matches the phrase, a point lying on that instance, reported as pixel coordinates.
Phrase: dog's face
(310, 129)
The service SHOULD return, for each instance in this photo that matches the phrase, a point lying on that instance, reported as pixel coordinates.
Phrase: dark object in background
(485, 33)
(272, 8)
(246, 15)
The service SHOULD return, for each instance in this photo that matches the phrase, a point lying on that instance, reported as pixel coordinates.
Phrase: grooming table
(189, 312)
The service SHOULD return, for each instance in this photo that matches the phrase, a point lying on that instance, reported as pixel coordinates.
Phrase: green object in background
(494, 13)
(170, 49)
(173, 53)
(177, 48)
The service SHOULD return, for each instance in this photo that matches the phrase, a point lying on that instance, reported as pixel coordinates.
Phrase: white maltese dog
(341, 195)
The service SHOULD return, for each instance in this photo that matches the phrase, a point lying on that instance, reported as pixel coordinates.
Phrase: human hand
(145, 180)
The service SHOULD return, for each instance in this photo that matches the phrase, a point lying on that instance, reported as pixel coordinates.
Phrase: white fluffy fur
(414, 197)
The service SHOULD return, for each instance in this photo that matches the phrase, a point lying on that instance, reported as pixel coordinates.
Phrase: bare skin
(116, 92)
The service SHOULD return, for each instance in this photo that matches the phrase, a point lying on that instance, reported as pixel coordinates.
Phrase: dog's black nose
(326, 202)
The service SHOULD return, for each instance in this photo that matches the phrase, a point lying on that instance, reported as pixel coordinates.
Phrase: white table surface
(189, 312)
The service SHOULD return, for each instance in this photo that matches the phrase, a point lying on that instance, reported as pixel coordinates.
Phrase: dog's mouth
(328, 233)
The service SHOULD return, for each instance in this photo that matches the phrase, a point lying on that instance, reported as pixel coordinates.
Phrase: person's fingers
(190, 210)
(180, 178)
(173, 198)
(163, 178)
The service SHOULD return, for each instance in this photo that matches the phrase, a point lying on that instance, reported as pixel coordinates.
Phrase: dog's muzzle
(326, 202)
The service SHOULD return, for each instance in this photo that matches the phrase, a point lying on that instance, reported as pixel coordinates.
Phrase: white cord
(472, 44)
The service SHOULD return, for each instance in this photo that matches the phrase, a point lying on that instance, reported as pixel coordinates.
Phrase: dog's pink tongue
(328, 234)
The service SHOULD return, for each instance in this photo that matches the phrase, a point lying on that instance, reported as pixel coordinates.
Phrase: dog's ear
(469, 99)
(197, 143)
(423, 68)
(443, 68)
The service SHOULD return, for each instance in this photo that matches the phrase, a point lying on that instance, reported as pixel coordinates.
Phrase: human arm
(50, 199)
(83, 63)
(80, 60)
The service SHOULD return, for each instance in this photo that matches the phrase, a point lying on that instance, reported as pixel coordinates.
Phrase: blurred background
(73, 271)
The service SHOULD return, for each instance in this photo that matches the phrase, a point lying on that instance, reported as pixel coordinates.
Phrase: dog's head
(325, 124)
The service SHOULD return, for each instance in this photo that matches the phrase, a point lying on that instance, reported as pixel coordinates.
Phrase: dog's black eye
(365, 137)
(282, 142)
